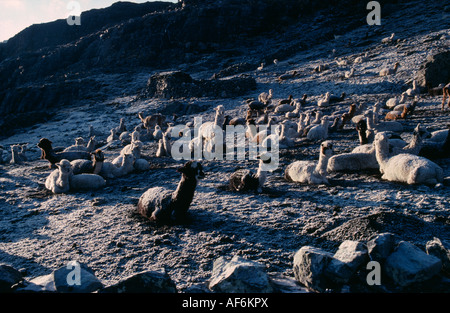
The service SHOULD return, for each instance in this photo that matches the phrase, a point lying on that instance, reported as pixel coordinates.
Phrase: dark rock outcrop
(181, 85)
(435, 71)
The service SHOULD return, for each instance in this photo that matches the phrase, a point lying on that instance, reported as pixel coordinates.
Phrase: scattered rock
(239, 276)
(178, 84)
(309, 265)
(349, 257)
(436, 248)
(380, 246)
(9, 277)
(408, 265)
(144, 282)
(73, 278)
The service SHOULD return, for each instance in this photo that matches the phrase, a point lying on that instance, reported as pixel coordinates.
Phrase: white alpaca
(86, 182)
(415, 90)
(406, 168)
(349, 74)
(389, 71)
(58, 180)
(308, 171)
(388, 39)
(325, 101)
(393, 102)
(110, 170)
(265, 97)
(157, 134)
(62, 180)
(207, 131)
(79, 145)
(319, 132)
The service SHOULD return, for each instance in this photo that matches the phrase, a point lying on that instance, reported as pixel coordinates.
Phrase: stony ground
(41, 232)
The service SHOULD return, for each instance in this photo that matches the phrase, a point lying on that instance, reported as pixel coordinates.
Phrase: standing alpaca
(246, 180)
(446, 94)
(160, 203)
(406, 168)
(308, 171)
(207, 131)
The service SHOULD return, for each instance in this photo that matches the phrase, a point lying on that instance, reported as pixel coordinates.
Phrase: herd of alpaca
(287, 122)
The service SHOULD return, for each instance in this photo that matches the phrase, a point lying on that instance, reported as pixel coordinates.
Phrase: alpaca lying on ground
(62, 180)
(406, 168)
(311, 172)
(54, 157)
(161, 204)
(248, 180)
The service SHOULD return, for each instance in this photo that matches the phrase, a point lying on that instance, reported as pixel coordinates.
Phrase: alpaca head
(220, 110)
(421, 132)
(98, 155)
(128, 159)
(326, 148)
(79, 141)
(382, 139)
(64, 166)
(192, 170)
(45, 144)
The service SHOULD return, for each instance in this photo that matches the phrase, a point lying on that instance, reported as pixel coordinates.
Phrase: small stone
(380, 246)
(436, 248)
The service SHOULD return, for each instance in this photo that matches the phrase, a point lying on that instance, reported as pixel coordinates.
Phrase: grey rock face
(239, 276)
(408, 264)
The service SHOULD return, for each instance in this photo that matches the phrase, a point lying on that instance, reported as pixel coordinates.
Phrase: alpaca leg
(445, 94)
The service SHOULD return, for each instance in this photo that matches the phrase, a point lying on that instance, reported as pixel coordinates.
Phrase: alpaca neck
(370, 122)
(184, 194)
(362, 137)
(381, 152)
(97, 166)
(62, 181)
(321, 166)
(262, 176)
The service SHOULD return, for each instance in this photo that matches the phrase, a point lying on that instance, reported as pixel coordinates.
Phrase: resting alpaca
(308, 171)
(62, 180)
(245, 179)
(159, 203)
(54, 157)
(406, 168)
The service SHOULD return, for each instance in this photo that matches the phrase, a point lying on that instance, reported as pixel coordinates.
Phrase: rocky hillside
(54, 65)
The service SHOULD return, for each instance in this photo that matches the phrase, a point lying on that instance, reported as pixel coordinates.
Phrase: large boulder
(435, 70)
(239, 275)
(309, 266)
(408, 265)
